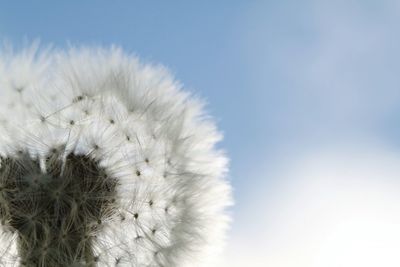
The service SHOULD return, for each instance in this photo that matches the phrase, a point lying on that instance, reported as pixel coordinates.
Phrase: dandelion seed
(66, 202)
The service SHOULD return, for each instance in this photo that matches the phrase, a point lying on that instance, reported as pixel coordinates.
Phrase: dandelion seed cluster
(105, 161)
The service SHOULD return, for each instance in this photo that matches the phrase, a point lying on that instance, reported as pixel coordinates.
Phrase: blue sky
(287, 81)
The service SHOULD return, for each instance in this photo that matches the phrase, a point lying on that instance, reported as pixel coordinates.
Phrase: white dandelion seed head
(126, 135)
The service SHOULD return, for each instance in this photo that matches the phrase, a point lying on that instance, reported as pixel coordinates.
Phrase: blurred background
(307, 94)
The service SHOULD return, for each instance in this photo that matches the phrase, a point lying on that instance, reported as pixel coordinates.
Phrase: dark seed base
(58, 213)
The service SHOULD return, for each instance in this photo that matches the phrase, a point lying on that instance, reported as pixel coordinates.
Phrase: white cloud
(338, 208)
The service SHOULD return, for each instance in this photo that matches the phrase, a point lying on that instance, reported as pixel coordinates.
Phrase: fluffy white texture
(151, 136)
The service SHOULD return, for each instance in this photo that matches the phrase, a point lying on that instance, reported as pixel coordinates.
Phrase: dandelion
(105, 161)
